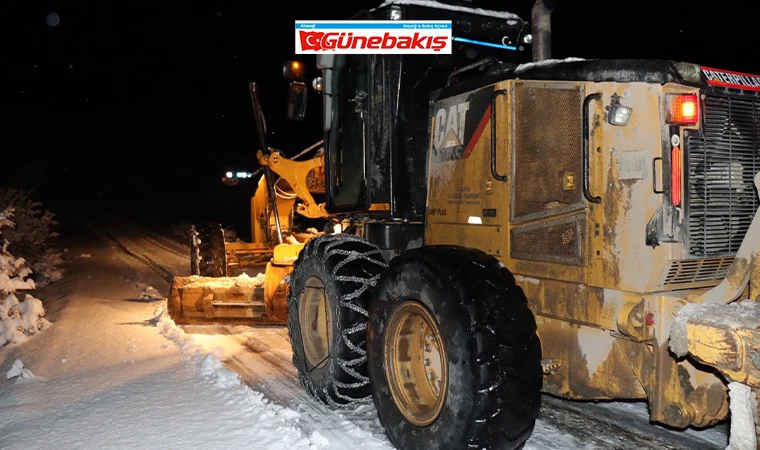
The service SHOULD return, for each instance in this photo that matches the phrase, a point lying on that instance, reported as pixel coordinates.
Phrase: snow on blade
(731, 316)
(438, 5)
(545, 63)
(242, 281)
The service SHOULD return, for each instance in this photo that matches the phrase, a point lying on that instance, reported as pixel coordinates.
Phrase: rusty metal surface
(276, 290)
(722, 336)
(561, 241)
(597, 292)
(225, 300)
(699, 272)
(465, 204)
(593, 365)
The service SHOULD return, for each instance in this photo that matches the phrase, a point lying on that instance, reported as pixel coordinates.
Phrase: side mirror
(297, 96)
(293, 70)
(317, 84)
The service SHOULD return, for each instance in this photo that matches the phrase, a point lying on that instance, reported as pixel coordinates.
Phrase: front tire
(330, 289)
(208, 256)
(454, 358)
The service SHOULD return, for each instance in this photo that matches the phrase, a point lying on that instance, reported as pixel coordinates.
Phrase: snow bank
(18, 319)
(29, 232)
(275, 422)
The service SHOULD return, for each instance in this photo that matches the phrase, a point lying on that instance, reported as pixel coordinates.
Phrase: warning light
(293, 70)
(683, 109)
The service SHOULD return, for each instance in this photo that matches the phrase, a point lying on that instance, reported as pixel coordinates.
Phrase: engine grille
(543, 115)
(722, 163)
(696, 271)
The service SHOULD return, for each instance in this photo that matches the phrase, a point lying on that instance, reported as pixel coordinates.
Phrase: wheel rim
(415, 363)
(316, 323)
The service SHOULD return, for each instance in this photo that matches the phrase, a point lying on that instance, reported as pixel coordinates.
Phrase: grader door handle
(654, 175)
(585, 152)
(494, 173)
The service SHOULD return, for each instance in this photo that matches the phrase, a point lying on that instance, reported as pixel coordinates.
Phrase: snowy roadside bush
(31, 234)
(19, 319)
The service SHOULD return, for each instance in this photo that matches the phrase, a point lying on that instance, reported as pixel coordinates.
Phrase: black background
(142, 107)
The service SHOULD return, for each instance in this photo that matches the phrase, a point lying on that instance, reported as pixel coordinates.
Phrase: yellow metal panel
(622, 175)
(482, 237)
(465, 203)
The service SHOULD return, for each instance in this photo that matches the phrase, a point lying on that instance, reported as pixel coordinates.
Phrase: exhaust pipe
(541, 29)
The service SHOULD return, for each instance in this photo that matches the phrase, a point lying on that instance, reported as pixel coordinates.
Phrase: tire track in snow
(612, 426)
(165, 244)
(261, 367)
(125, 246)
(270, 372)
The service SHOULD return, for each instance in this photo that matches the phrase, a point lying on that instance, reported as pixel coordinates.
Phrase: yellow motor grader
(525, 225)
(219, 289)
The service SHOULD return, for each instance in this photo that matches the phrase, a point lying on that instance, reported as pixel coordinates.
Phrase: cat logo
(449, 125)
(458, 124)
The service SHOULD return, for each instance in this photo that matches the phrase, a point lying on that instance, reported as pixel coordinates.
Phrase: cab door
(346, 179)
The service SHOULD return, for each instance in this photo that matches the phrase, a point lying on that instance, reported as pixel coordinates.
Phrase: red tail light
(675, 176)
(683, 109)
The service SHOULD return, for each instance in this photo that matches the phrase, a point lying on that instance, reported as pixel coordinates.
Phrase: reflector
(675, 176)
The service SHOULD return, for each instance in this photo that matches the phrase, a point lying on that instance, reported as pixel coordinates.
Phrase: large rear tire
(330, 289)
(454, 358)
(208, 256)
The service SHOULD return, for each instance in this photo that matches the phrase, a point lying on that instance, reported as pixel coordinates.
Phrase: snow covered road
(109, 367)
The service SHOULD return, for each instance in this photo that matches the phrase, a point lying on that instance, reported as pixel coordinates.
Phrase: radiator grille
(722, 163)
(690, 271)
(559, 242)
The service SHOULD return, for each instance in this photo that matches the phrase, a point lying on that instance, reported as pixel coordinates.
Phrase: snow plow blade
(726, 337)
(239, 300)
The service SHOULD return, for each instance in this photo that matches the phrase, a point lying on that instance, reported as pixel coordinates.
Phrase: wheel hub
(415, 363)
(316, 323)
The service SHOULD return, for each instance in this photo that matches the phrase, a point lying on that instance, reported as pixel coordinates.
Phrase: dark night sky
(152, 99)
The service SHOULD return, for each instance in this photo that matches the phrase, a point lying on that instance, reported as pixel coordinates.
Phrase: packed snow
(112, 370)
(116, 374)
(743, 403)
